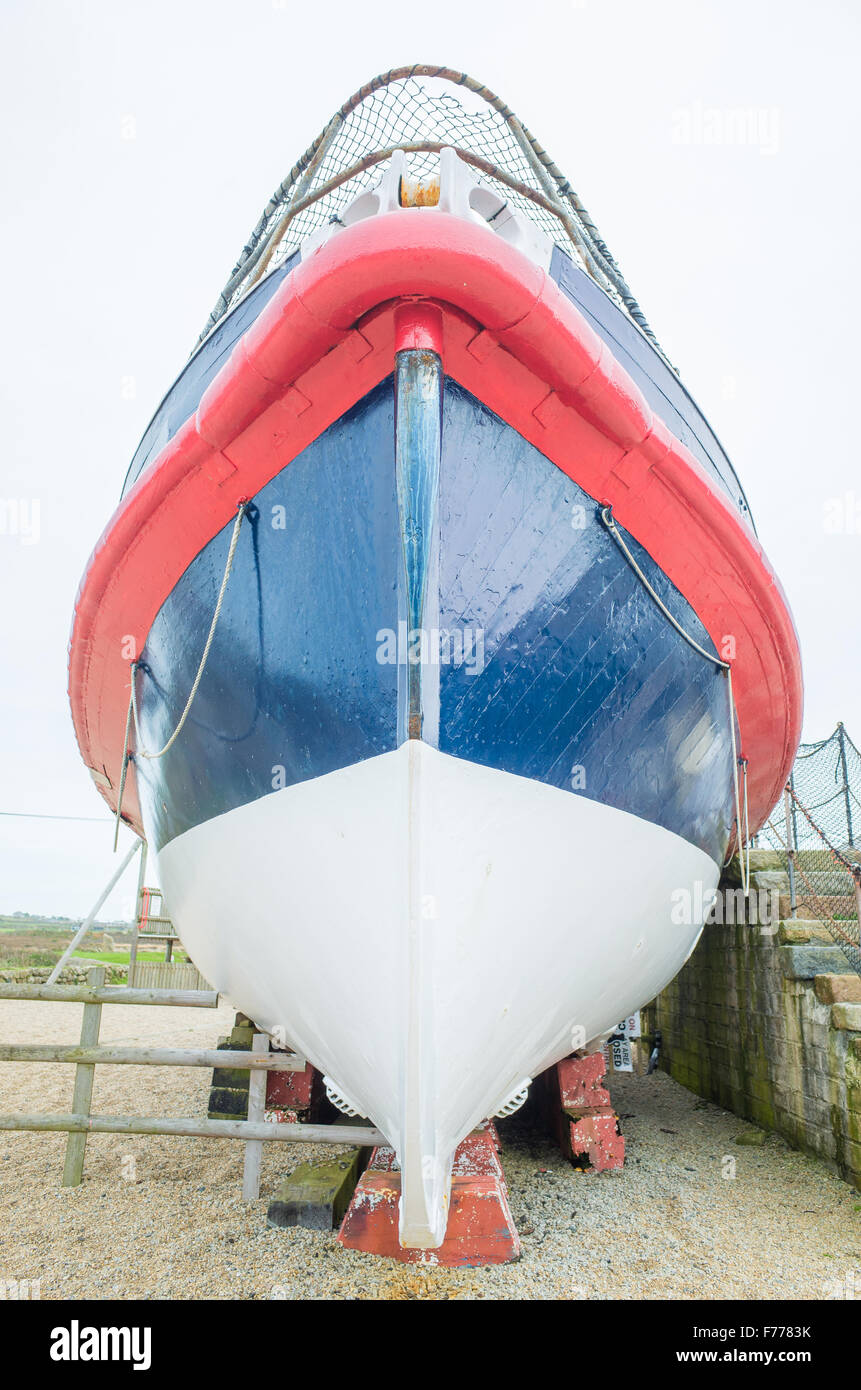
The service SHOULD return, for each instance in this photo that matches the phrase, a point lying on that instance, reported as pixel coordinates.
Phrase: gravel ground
(163, 1218)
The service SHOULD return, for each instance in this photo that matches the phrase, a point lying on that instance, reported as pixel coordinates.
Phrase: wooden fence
(89, 1053)
(161, 974)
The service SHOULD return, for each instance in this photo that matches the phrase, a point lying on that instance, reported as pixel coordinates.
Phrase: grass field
(122, 957)
(25, 924)
(30, 946)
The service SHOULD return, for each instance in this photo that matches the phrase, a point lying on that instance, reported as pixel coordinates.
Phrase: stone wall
(75, 972)
(148, 974)
(765, 1020)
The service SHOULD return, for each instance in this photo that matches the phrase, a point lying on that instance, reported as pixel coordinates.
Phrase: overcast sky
(140, 141)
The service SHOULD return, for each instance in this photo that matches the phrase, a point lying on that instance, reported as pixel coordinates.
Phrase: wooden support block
(228, 1103)
(475, 1157)
(579, 1080)
(277, 1116)
(228, 1094)
(290, 1095)
(256, 1107)
(581, 1115)
(480, 1230)
(76, 1144)
(317, 1195)
(489, 1127)
(594, 1135)
(300, 1091)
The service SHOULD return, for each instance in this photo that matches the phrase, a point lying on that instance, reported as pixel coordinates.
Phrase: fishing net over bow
(421, 110)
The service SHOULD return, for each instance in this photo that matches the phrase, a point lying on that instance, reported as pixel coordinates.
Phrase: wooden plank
(110, 994)
(133, 959)
(256, 1111)
(76, 1144)
(317, 1195)
(192, 1128)
(160, 974)
(133, 953)
(151, 1056)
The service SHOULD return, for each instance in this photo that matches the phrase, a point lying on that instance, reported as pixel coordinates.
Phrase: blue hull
(541, 652)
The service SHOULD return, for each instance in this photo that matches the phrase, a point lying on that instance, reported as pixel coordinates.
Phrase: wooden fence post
(84, 1073)
(133, 952)
(790, 848)
(256, 1115)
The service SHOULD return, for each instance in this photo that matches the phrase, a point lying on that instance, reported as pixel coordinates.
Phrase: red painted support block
(276, 1115)
(489, 1127)
(582, 1115)
(580, 1082)
(296, 1091)
(596, 1134)
(480, 1229)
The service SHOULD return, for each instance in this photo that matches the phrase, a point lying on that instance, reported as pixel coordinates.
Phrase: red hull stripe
(512, 338)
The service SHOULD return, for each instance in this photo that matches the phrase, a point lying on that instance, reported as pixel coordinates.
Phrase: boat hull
(460, 751)
(435, 933)
(440, 712)
(524, 634)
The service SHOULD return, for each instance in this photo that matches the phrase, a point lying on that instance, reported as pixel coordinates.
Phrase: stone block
(821, 1086)
(838, 989)
(806, 962)
(846, 1017)
(800, 931)
(761, 860)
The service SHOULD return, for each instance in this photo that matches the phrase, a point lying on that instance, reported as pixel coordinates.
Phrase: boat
(431, 646)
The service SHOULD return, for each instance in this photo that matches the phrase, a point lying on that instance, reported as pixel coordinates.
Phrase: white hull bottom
(430, 933)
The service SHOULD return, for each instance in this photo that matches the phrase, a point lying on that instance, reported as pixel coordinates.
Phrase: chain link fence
(816, 830)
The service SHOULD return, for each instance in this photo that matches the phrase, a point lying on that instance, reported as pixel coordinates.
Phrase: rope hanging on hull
(741, 799)
(132, 715)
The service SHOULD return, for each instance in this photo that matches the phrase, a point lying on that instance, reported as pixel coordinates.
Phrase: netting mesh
(819, 821)
(826, 781)
(410, 112)
(430, 108)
